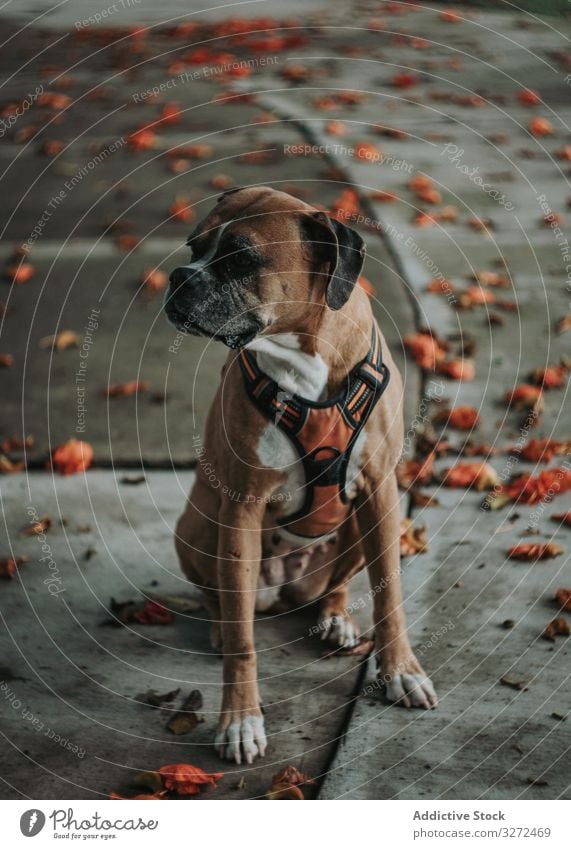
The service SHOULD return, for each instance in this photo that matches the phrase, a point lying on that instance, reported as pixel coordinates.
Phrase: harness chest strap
(323, 433)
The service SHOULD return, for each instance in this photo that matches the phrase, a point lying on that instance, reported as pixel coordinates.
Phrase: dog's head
(262, 260)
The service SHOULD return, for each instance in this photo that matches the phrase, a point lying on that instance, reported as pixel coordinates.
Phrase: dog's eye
(242, 259)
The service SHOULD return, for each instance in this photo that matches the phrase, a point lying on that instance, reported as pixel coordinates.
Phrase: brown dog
(275, 279)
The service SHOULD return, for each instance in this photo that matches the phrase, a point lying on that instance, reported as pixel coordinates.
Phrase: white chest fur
(296, 372)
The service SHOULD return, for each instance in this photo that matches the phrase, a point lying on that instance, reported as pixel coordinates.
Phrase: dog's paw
(410, 689)
(243, 739)
(340, 630)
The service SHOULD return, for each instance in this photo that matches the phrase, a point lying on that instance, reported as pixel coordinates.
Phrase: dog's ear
(342, 250)
(230, 192)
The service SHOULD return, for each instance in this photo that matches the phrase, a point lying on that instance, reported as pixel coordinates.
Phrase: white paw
(411, 690)
(246, 739)
(340, 630)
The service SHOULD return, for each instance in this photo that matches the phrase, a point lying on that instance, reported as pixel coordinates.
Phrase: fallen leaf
(404, 79)
(133, 480)
(10, 565)
(181, 210)
(187, 780)
(462, 418)
(565, 518)
(479, 475)
(142, 139)
(529, 490)
(426, 349)
(563, 599)
(61, 341)
(16, 443)
(8, 467)
(414, 471)
(524, 397)
(543, 450)
(550, 377)
(557, 628)
(535, 551)
(286, 784)
(20, 273)
(492, 278)
(515, 685)
(186, 719)
(151, 697)
(423, 499)
(412, 540)
(6, 360)
(539, 127)
(148, 612)
(154, 280)
(564, 324)
(38, 527)
(71, 457)
(123, 390)
(458, 368)
(528, 97)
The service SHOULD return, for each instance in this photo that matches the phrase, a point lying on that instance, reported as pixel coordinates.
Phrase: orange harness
(324, 434)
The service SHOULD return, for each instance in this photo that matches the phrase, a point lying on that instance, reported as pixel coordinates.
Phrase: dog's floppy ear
(230, 192)
(342, 249)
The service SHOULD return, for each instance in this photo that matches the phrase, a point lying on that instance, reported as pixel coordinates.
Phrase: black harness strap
(342, 417)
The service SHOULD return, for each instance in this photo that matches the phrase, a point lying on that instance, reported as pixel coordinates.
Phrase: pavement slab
(69, 670)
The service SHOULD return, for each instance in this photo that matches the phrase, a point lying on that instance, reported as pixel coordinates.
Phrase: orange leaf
(6, 360)
(367, 152)
(186, 780)
(462, 418)
(154, 279)
(449, 16)
(458, 369)
(528, 97)
(563, 599)
(426, 349)
(9, 567)
(415, 472)
(565, 518)
(38, 527)
(142, 139)
(540, 127)
(20, 273)
(404, 79)
(529, 490)
(412, 540)
(534, 551)
(543, 450)
(171, 113)
(61, 341)
(180, 209)
(122, 390)
(479, 475)
(524, 397)
(551, 377)
(72, 457)
(557, 628)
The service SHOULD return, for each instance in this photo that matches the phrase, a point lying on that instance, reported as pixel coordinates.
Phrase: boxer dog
(274, 279)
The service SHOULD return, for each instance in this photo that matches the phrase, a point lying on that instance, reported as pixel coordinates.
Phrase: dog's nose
(179, 277)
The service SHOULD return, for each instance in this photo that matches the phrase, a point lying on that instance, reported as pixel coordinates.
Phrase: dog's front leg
(240, 733)
(378, 514)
